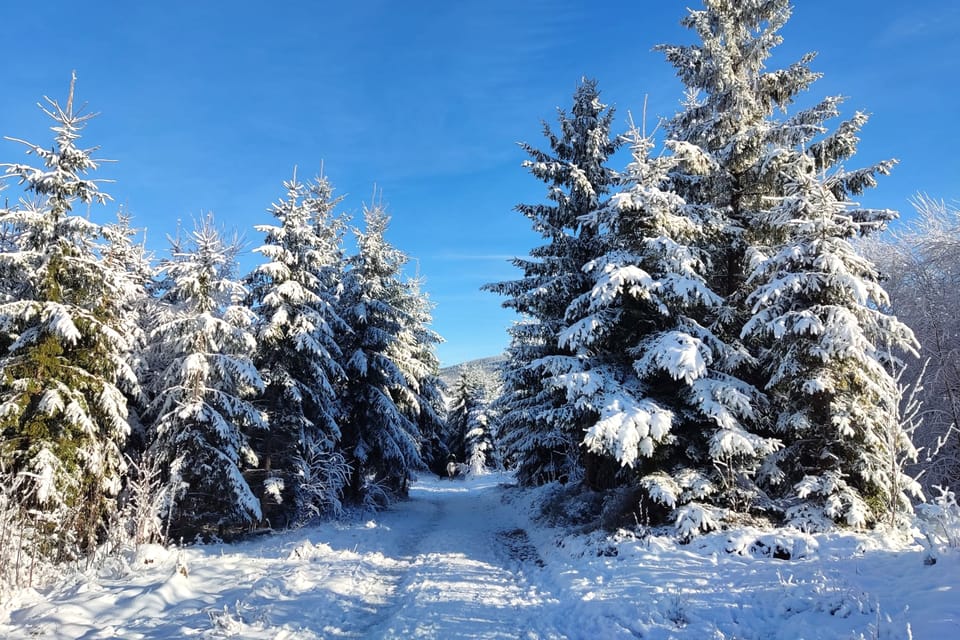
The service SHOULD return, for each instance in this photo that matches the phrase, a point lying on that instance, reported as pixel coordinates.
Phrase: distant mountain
(491, 364)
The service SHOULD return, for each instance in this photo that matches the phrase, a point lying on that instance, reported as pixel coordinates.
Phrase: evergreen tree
(295, 296)
(415, 353)
(777, 201)
(131, 264)
(654, 383)
(471, 419)
(379, 438)
(66, 373)
(542, 431)
(818, 311)
(203, 378)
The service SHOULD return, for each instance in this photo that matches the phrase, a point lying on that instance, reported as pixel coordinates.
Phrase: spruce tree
(471, 419)
(379, 437)
(654, 384)
(414, 351)
(202, 382)
(542, 430)
(775, 197)
(818, 312)
(131, 264)
(65, 356)
(295, 296)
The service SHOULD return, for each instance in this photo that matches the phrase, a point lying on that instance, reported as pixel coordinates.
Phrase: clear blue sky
(207, 106)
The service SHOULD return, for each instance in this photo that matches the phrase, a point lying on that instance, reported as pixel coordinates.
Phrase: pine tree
(295, 296)
(726, 127)
(131, 264)
(203, 378)
(66, 373)
(542, 431)
(776, 199)
(379, 438)
(655, 382)
(414, 351)
(818, 311)
(471, 419)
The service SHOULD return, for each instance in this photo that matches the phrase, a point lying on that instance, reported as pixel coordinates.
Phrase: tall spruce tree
(295, 296)
(471, 419)
(131, 264)
(774, 192)
(818, 312)
(66, 373)
(201, 386)
(655, 383)
(414, 351)
(542, 430)
(379, 437)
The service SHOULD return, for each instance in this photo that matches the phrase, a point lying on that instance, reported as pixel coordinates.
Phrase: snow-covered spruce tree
(795, 293)
(132, 265)
(470, 419)
(66, 372)
(656, 384)
(818, 313)
(200, 416)
(542, 432)
(414, 351)
(379, 438)
(295, 296)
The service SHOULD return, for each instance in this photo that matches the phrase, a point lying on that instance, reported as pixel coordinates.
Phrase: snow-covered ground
(464, 559)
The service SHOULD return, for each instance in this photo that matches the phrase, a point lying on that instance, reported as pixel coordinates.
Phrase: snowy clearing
(464, 559)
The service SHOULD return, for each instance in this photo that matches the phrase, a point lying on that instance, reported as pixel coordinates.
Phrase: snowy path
(466, 560)
(464, 572)
(451, 562)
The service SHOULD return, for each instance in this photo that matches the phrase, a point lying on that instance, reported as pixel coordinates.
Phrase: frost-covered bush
(824, 594)
(920, 260)
(939, 522)
(24, 561)
(320, 481)
(148, 501)
(568, 505)
(784, 544)
(693, 519)
(14, 544)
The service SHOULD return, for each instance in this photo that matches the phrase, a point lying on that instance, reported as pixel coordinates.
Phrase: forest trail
(468, 559)
(468, 568)
(453, 561)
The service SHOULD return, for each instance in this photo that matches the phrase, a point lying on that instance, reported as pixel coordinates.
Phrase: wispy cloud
(909, 28)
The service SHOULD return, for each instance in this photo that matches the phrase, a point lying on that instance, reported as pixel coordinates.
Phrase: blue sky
(207, 106)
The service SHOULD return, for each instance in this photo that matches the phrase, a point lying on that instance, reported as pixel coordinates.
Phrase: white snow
(465, 559)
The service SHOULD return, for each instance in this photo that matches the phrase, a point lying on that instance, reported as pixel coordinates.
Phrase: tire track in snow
(406, 525)
(469, 579)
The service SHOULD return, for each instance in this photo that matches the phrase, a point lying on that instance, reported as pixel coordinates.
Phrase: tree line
(182, 399)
